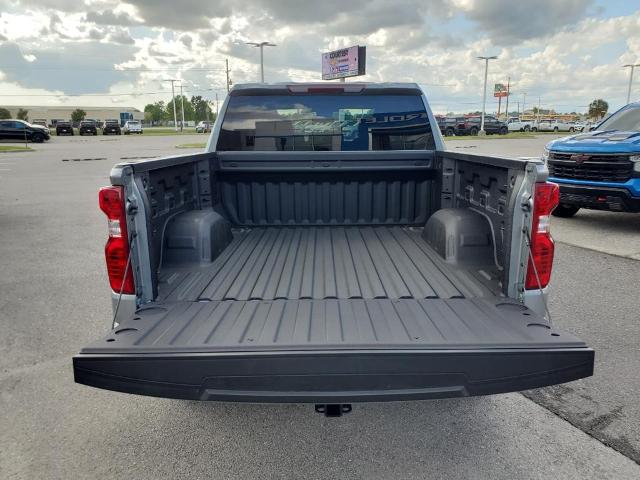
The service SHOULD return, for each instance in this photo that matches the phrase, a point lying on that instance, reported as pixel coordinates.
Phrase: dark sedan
(22, 131)
(64, 128)
(111, 127)
(88, 127)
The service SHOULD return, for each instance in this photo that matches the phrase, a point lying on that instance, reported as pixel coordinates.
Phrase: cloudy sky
(563, 53)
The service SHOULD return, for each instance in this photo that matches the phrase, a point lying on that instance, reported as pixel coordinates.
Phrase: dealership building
(54, 113)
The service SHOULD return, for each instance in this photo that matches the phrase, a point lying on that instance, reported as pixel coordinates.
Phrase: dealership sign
(500, 90)
(347, 62)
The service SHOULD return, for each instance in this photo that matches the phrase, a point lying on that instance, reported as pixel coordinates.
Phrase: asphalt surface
(54, 299)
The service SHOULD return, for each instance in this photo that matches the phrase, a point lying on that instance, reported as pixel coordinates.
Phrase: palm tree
(598, 108)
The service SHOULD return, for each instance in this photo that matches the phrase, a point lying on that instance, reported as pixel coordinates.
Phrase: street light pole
(484, 90)
(173, 99)
(261, 45)
(524, 101)
(182, 107)
(632, 66)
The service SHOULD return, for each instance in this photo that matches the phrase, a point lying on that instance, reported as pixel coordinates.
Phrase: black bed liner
(320, 263)
(330, 315)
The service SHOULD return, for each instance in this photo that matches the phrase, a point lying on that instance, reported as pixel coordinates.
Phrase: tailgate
(332, 350)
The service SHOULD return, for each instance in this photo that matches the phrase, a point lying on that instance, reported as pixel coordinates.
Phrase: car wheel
(571, 130)
(473, 131)
(534, 129)
(503, 131)
(527, 128)
(555, 129)
(565, 211)
(448, 132)
(37, 138)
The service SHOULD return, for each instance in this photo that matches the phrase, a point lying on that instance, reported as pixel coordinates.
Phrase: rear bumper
(332, 376)
(598, 198)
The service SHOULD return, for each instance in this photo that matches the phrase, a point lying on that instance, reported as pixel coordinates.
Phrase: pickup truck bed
(370, 305)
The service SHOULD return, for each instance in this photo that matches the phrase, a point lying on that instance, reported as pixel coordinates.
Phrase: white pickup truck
(327, 248)
(555, 126)
(514, 124)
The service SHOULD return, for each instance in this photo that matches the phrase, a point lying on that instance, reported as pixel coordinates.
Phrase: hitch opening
(333, 409)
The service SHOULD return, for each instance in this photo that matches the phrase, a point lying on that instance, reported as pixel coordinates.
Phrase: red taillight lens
(112, 203)
(546, 198)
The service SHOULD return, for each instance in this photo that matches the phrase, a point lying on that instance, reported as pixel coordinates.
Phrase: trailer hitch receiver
(333, 409)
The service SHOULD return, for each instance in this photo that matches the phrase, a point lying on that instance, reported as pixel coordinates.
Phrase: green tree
(4, 113)
(598, 108)
(201, 108)
(78, 115)
(23, 114)
(156, 112)
(188, 108)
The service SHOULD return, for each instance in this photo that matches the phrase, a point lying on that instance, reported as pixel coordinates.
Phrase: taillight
(545, 199)
(112, 203)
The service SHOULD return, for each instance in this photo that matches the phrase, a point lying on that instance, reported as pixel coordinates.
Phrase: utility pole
(228, 79)
(538, 108)
(173, 100)
(508, 93)
(524, 100)
(484, 90)
(632, 66)
(182, 102)
(261, 46)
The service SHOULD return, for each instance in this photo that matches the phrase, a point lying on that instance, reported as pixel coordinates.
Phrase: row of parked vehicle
(108, 127)
(470, 125)
(515, 124)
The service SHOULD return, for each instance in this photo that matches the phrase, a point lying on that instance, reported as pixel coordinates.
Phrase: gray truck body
(330, 276)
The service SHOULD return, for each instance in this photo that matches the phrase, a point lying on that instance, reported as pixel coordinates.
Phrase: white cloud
(555, 50)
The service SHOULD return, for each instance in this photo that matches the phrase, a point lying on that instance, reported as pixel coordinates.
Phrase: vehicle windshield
(134, 123)
(325, 123)
(627, 120)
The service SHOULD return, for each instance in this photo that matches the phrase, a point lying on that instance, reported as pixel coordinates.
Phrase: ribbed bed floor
(321, 263)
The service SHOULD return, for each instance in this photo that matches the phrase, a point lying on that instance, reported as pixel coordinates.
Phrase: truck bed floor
(322, 263)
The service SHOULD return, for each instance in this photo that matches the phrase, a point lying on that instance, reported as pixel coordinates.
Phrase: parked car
(88, 127)
(20, 130)
(447, 125)
(514, 124)
(40, 121)
(132, 126)
(63, 128)
(471, 126)
(204, 127)
(329, 266)
(111, 127)
(599, 169)
(553, 125)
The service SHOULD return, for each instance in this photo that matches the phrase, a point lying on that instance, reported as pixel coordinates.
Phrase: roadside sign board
(500, 90)
(346, 62)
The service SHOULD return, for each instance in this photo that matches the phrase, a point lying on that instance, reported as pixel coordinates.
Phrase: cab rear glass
(312, 122)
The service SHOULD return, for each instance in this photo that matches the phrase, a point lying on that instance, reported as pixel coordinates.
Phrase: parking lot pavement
(608, 232)
(54, 299)
(595, 296)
